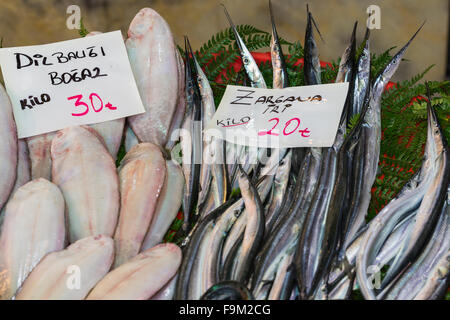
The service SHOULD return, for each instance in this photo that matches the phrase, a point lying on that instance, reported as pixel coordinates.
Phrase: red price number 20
(95, 102)
(288, 128)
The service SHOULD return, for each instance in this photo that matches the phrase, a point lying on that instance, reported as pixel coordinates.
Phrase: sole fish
(41, 160)
(8, 147)
(71, 273)
(152, 55)
(86, 174)
(141, 277)
(169, 203)
(141, 178)
(33, 227)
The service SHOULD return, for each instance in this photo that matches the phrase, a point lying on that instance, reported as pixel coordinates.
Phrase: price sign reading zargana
(81, 81)
(305, 116)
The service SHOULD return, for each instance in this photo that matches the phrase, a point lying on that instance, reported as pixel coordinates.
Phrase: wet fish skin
(426, 276)
(280, 75)
(180, 110)
(405, 203)
(283, 279)
(228, 290)
(192, 145)
(54, 278)
(434, 199)
(288, 229)
(23, 171)
(311, 59)
(33, 226)
(112, 130)
(41, 161)
(86, 174)
(141, 277)
(362, 77)
(263, 187)
(372, 132)
(222, 226)
(191, 247)
(141, 178)
(166, 292)
(152, 55)
(208, 110)
(169, 202)
(254, 229)
(130, 139)
(250, 66)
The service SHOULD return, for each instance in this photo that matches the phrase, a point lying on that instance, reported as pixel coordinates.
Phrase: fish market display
(154, 206)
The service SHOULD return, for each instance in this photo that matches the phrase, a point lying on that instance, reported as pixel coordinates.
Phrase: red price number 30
(95, 101)
(287, 128)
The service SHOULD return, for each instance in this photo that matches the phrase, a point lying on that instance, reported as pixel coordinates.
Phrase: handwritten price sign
(280, 118)
(81, 81)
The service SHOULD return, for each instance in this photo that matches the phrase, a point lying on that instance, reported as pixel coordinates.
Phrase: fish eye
(246, 61)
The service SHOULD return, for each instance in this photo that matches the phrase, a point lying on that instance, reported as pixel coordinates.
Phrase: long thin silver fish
(372, 134)
(192, 144)
(411, 198)
(425, 278)
(433, 199)
(254, 229)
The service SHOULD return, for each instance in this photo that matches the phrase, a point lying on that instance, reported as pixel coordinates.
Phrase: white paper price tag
(305, 116)
(74, 82)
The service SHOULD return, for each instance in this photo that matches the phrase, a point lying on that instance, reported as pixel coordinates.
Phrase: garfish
(250, 65)
(254, 229)
(434, 198)
(211, 144)
(434, 262)
(191, 139)
(228, 290)
(371, 144)
(406, 202)
(191, 246)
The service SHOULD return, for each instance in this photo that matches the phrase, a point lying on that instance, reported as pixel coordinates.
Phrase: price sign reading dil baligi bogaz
(306, 116)
(81, 81)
